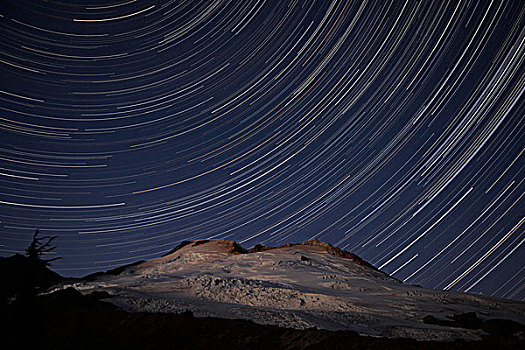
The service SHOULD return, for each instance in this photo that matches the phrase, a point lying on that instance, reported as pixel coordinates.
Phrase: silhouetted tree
(40, 246)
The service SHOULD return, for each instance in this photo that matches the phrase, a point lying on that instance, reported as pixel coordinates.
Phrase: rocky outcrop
(235, 248)
(469, 320)
(316, 243)
(231, 247)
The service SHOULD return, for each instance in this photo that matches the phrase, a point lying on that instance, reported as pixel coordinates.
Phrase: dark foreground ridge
(67, 319)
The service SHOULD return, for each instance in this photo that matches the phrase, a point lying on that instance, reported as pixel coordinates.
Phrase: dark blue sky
(393, 130)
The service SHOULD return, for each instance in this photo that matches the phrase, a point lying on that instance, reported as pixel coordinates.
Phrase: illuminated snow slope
(310, 284)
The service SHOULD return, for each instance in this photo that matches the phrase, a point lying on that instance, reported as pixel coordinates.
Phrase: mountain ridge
(232, 247)
(296, 285)
(236, 248)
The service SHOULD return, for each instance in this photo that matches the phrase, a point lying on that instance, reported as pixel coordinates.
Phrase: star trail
(391, 129)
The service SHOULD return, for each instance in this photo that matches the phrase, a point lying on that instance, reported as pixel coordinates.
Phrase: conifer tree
(40, 246)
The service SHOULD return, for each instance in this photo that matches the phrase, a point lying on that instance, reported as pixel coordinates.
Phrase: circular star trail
(391, 129)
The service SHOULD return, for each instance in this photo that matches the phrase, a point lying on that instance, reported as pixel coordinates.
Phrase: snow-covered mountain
(309, 284)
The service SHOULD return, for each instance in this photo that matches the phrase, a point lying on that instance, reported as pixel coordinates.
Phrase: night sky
(393, 130)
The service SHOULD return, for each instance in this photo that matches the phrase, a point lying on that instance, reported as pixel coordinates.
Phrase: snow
(300, 286)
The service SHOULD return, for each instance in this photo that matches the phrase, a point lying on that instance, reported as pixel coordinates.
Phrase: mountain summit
(302, 285)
